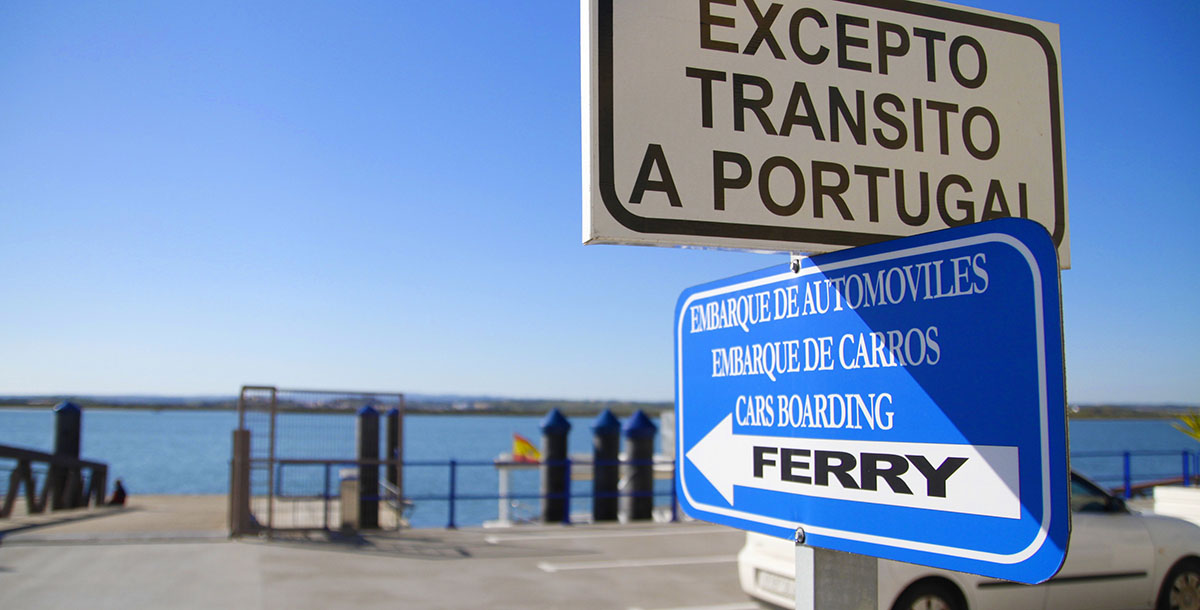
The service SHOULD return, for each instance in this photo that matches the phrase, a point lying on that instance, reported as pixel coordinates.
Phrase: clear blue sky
(353, 195)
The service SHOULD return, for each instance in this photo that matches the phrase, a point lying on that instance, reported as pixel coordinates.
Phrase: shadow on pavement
(415, 545)
(28, 522)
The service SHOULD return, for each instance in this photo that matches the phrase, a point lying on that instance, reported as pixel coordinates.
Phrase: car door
(992, 594)
(1109, 557)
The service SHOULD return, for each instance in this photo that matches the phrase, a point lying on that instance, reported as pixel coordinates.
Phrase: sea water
(188, 452)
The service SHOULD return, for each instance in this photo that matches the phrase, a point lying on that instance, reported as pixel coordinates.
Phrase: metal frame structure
(276, 404)
(62, 487)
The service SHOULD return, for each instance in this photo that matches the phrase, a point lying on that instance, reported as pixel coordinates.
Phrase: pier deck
(173, 552)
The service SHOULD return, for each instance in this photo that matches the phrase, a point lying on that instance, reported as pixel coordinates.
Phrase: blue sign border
(1035, 562)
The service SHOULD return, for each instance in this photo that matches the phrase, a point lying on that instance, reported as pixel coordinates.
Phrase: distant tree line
(505, 406)
(490, 406)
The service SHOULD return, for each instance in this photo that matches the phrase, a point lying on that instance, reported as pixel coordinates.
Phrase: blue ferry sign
(903, 400)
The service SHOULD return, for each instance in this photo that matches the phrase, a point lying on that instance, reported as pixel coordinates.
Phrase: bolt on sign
(817, 125)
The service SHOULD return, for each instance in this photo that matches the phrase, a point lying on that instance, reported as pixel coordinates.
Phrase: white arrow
(972, 479)
(713, 456)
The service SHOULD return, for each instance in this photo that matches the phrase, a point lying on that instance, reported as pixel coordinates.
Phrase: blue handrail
(1130, 480)
(454, 496)
(1131, 483)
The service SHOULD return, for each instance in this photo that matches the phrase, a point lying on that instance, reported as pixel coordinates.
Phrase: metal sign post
(833, 580)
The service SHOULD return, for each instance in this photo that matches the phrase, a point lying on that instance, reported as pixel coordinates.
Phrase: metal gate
(303, 457)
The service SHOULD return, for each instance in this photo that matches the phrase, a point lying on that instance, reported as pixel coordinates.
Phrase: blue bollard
(606, 466)
(556, 470)
(639, 437)
(68, 429)
(66, 483)
(368, 474)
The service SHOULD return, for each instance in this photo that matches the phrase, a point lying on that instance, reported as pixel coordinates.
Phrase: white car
(1117, 559)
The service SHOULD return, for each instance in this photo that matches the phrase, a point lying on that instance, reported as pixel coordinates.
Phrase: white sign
(815, 125)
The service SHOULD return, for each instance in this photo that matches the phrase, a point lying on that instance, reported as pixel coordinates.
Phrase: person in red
(118, 497)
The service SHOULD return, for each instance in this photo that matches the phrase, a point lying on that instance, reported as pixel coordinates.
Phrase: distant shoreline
(539, 408)
(1128, 412)
(568, 408)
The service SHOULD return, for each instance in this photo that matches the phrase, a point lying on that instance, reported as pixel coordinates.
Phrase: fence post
(239, 485)
(639, 435)
(325, 497)
(100, 484)
(453, 491)
(1128, 475)
(566, 519)
(674, 494)
(556, 506)
(68, 428)
(1187, 476)
(392, 450)
(368, 474)
(606, 466)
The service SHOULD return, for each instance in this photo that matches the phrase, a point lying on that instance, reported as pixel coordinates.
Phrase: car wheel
(930, 595)
(1181, 589)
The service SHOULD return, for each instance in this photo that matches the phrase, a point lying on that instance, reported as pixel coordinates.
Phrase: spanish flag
(524, 451)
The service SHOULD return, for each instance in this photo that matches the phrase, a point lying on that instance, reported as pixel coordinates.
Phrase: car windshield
(1086, 497)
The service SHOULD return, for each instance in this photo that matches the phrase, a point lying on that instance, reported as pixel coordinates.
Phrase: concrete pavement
(172, 552)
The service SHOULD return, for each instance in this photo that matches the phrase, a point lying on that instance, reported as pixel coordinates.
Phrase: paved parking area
(87, 562)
